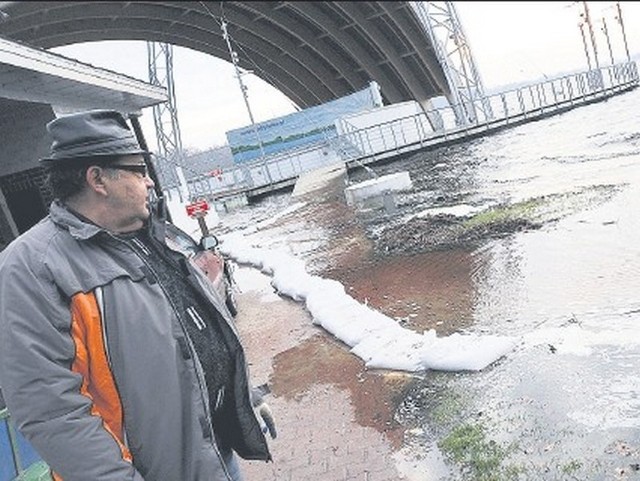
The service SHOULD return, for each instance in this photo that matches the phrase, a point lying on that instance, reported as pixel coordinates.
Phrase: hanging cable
(237, 46)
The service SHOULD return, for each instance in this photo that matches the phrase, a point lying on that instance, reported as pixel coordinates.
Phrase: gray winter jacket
(96, 368)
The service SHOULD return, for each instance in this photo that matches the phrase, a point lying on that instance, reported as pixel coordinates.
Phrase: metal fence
(402, 135)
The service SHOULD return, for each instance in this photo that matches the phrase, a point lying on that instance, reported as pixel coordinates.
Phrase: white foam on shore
(374, 337)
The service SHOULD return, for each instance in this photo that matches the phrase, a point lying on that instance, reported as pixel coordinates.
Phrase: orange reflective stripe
(91, 362)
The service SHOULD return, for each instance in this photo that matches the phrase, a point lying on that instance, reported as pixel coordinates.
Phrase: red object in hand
(197, 208)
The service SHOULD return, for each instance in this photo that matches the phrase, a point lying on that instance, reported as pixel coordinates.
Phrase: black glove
(262, 410)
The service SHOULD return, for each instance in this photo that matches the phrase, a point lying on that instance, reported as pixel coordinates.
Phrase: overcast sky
(510, 41)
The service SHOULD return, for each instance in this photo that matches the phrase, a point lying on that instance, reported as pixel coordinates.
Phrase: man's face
(128, 188)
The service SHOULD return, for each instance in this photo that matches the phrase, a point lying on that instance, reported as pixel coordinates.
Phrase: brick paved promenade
(334, 419)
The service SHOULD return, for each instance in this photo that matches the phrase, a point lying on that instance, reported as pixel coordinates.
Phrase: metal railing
(411, 133)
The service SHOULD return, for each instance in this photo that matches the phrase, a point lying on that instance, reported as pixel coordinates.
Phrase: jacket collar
(82, 228)
(79, 228)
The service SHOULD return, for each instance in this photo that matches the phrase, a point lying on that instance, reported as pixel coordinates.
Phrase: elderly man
(118, 361)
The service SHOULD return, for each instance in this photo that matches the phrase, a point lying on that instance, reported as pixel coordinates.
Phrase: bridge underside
(313, 52)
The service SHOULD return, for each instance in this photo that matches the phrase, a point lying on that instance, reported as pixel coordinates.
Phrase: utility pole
(243, 89)
(624, 35)
(584, 43)
(606, 34)
(587, 19)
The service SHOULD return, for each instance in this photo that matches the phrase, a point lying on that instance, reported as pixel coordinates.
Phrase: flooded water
(568, 397)
(566, 403)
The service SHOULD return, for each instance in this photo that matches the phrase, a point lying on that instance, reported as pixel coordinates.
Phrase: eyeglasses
(138, 168)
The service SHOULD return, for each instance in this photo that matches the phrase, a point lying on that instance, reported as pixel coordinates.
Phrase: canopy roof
(33, 75)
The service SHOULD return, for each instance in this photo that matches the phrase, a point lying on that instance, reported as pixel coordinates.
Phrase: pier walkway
(359, 145)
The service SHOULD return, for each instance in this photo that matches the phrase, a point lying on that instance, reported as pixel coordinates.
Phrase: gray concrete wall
(24, 135)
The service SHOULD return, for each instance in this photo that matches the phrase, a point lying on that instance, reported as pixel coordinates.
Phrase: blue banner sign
(300, 128)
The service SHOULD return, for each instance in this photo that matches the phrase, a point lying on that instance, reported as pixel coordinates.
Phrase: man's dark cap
(83, 135)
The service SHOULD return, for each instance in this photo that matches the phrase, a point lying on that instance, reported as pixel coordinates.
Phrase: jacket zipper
(195, 317)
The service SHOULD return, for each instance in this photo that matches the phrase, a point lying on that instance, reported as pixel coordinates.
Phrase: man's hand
(263, 412)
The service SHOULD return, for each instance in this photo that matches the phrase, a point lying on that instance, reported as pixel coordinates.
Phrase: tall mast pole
(165, 117)
(243, 87)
